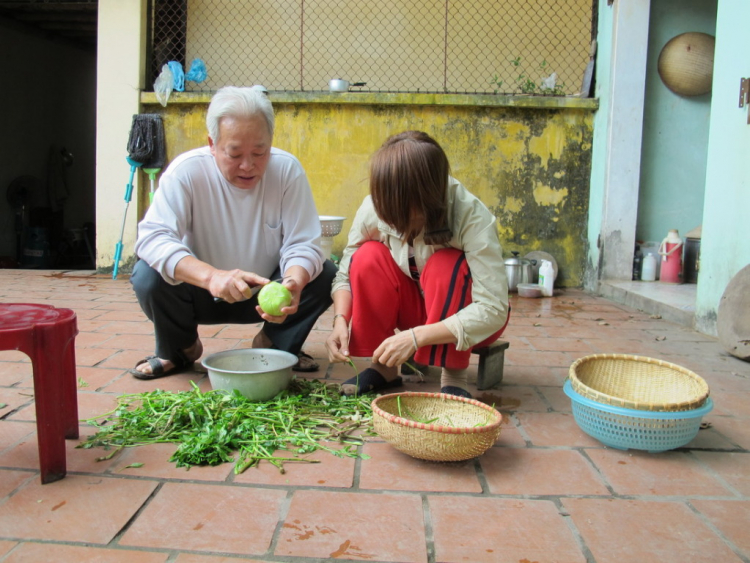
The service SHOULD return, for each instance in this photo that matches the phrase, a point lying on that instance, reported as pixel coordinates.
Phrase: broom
(158, 158)
(141, 148)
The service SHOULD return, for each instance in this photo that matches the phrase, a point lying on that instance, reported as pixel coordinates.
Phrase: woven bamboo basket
(436, 426)
(637, 382)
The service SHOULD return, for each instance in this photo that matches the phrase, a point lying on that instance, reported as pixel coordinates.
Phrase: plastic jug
(547, 278)
(648, 271)
(671, 258)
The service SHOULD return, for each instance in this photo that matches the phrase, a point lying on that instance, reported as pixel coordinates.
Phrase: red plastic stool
(47, 336)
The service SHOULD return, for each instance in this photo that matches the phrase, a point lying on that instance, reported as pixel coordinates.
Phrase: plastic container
(326, 245)
(547, 278)
(648, 271)
(623, 429)
(531, 290)
(652, 247)
(671, 258)
(638, 382)
(36, 251)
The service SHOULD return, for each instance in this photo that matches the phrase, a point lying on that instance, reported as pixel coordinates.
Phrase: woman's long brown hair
(408, 180)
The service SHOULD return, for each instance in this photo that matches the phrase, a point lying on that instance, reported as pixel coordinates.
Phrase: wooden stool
(47, 336)
(491, 363)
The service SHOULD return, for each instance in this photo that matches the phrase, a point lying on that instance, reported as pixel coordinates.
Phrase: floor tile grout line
(577, 535)
(513, 417)
(23, 484)
(428, 529)
(597, 470)
(481, 477)
(116, 538)
(283, 512)
(357, 473)
(173, 554)
(729, 543)
(543, 398)
(538, 497)
(708, 469)
(108, 546)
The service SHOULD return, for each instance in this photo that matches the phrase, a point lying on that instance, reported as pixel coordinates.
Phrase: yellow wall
(529, 165)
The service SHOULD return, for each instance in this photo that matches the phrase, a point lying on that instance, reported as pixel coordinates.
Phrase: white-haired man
(228, 218)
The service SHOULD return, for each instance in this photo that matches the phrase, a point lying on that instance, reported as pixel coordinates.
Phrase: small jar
(648, 272)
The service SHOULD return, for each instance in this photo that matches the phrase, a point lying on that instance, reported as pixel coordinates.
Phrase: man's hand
(295, 279)
(294, 288)
(234, 285)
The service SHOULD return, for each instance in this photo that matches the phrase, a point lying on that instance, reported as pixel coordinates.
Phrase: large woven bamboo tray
(436, 426)
(638, 382)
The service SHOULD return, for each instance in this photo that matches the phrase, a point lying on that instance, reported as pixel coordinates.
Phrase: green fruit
(272, 297)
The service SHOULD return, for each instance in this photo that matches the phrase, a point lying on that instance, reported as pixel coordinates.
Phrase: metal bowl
(330, 225)
(257, 373)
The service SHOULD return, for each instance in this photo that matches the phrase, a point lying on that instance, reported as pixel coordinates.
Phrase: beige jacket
(474, 233)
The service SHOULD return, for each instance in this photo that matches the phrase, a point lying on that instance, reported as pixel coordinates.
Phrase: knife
(253, 291)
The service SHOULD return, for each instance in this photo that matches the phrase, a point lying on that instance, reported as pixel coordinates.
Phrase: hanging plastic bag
(178, 76)
(163, 85)
(550, 82)
(197, 71)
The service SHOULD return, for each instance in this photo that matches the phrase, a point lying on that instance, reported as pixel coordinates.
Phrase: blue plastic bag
(197, 72)
(178, 75)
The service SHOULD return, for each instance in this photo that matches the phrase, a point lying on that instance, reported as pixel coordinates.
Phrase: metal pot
(339, 85)
(518, 270)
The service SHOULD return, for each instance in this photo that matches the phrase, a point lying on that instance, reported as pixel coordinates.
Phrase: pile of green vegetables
(211, 427)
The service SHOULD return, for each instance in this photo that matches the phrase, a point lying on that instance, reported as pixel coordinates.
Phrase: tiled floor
(545, 492)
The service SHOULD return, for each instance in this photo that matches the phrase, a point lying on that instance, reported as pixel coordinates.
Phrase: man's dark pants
(177, 310)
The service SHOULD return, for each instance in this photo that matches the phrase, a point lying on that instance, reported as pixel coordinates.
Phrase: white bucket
(648, 272)
(653, 248)
(326, 245)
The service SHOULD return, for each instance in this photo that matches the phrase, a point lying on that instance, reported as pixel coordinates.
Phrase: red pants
(384, 299)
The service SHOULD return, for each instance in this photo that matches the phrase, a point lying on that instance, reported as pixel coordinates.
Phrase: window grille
(430, 46)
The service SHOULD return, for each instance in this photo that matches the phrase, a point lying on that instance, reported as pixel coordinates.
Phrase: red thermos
(671, 258)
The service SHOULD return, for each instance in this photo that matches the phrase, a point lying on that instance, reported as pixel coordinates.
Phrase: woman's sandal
(157, 368)
(367, 381)
(457, 391)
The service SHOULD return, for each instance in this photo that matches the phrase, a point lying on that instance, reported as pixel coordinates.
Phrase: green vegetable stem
(210, 428)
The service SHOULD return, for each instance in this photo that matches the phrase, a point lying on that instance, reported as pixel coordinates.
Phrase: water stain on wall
(530, 166)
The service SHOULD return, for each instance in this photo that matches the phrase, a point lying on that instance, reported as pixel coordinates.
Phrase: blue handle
(129, 187)
(118, 254)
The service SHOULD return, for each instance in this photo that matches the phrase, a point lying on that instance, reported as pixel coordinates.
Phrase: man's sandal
(157, 368)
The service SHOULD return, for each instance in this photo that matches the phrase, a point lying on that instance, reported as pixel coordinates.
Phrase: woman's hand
(394, 350)
(338, 343)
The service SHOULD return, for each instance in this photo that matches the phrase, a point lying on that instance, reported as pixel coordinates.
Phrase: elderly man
(227, 219)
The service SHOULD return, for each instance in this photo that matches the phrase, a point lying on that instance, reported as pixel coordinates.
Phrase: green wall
(599, 145)
(675, 132)
(724, 247)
